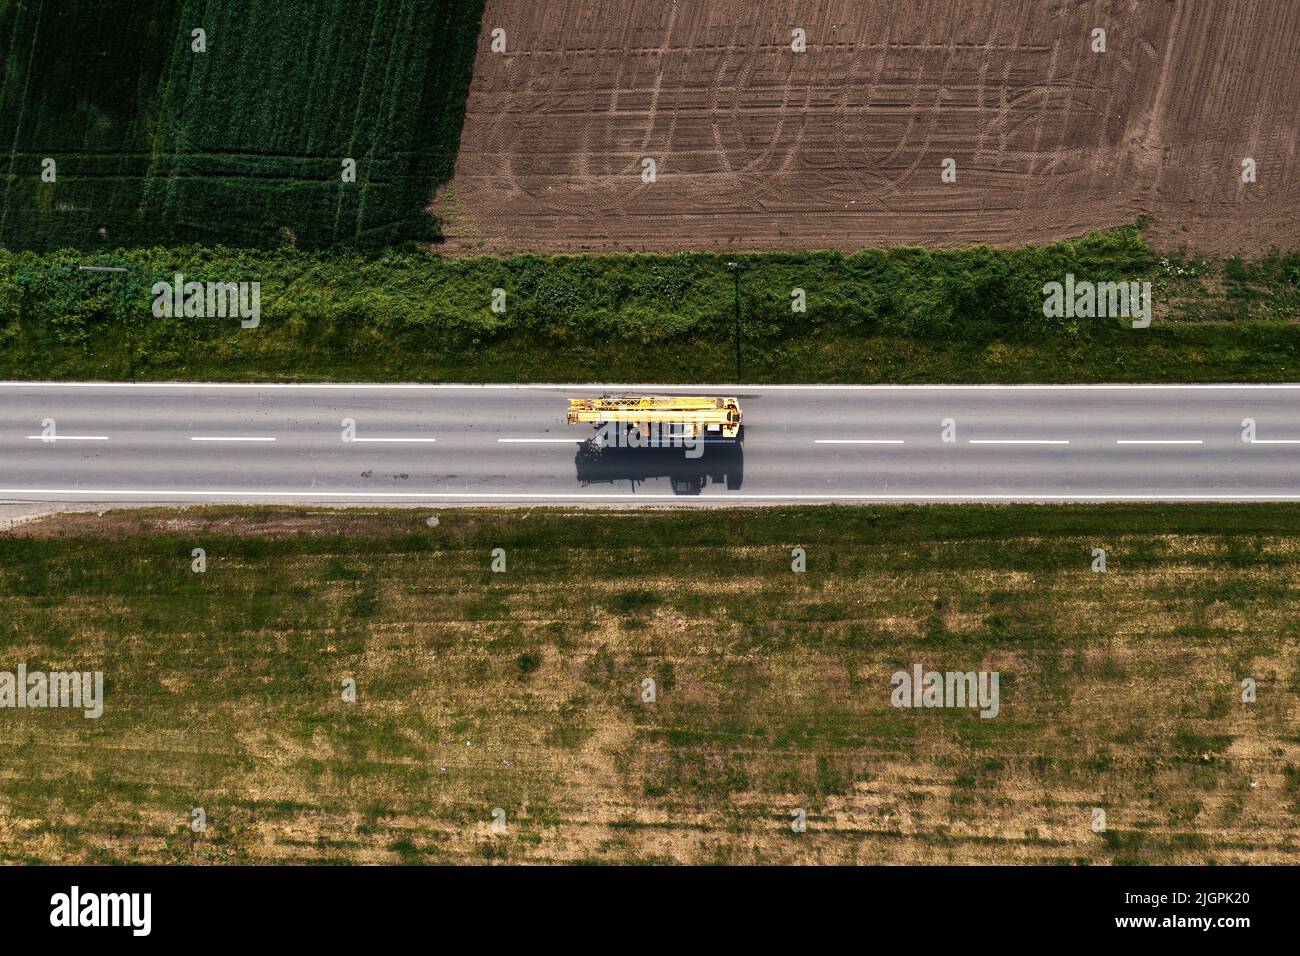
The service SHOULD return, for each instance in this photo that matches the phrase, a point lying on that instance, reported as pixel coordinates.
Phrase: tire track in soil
(766, 149)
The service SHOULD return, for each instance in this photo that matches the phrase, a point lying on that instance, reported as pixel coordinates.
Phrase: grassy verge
(521, 690)
(902, 315)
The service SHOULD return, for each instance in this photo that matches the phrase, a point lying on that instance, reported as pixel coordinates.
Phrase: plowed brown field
(841, 146)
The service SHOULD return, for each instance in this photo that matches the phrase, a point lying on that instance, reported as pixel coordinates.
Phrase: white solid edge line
(600, 496)
(1196, 441)
(857, 441)
(197, 438)
(67, 438)
(1017, 441)
(633, 386)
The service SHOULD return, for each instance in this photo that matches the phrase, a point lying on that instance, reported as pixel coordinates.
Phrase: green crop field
(243, 143)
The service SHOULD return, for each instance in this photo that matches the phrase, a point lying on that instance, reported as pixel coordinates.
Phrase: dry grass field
(840, 147)
(522, 690)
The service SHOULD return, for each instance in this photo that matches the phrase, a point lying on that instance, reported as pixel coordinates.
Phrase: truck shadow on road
(722, 464)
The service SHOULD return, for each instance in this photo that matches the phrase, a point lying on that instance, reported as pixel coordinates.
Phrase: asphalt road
(509, 444)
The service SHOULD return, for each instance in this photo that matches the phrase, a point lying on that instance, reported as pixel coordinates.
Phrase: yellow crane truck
(674, 417)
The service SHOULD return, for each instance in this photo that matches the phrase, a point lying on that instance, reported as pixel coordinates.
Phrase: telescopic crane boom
(689, 416)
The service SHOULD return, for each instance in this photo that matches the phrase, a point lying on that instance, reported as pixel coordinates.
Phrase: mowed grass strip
(522, 690)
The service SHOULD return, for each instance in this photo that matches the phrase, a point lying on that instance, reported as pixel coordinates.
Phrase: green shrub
(896, 315)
